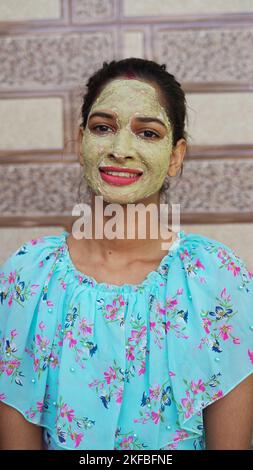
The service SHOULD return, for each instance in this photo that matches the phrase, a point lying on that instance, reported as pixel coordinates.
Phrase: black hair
(172, 94)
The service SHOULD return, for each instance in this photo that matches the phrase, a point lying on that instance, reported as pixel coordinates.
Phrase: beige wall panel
(85, 11)
(172, 7)
(220, 118)
(239, 237)
(28, 124)
(21, 10)
(204, 54)
(133, 44)
(50, 60)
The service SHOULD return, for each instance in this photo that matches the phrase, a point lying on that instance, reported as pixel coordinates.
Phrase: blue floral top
(102, 366)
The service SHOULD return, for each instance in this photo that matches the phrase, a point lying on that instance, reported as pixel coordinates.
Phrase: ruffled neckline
(155, 276)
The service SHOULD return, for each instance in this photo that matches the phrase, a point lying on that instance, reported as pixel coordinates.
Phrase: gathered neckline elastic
(152, 277)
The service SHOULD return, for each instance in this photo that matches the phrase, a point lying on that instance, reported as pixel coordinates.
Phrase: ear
(177, 157)
(79, 140)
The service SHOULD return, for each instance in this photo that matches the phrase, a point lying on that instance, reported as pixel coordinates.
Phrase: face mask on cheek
(150, 156)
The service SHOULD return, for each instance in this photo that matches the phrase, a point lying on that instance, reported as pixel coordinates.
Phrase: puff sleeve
(218, 352)
(27, 328)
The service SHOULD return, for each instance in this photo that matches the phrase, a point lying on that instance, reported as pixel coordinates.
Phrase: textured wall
(49, 48)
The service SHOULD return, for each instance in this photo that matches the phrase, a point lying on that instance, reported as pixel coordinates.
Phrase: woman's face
(127, 142)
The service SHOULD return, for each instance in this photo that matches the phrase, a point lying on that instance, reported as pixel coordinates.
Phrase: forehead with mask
(127, 142)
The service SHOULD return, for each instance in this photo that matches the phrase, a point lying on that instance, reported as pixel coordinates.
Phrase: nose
(122, 146)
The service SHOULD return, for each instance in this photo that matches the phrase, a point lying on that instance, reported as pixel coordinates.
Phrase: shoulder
(35, 251)
(27, 270)
(212, 255)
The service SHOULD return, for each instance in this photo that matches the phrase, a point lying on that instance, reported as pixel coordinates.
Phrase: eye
(148, 134)
(101, 129)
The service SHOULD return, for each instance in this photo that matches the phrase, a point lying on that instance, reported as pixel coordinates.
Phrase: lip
(119, 180)
(122, 170)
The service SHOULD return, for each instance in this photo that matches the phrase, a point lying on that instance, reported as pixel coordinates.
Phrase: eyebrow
(139, 119)
(150, 119)
(102, 114)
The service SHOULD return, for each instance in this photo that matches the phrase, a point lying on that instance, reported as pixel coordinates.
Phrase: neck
(133, 234)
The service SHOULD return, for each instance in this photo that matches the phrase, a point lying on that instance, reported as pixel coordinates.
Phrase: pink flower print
(206, 324)
(167, 326)
(12, 277)
(36, 364)
(187, 403)
(152, 325)
(50, 303)
(198, 264)
(180, 435)
(180, 291)
(77, 437)
(70, 339)
(250, 354)
(223, 293)
(221, 255)
(119, 395)
(37, 240)
(202, 280)
(110, 375)
(172, 374)
(236, 340)
(34, 286)
(31, 414)
(142, 370)
(129, 353)
(2, 396)
(64, 285)
(184, 254)
(42, 325)
(197, 387)
(11, 366)
(112, 309)
(217, 395)
(10, 300)
(84, 327)
(156, 416)
(171, 303)
(14, 333)
(121, 301)
(95, 383)
(137, 335)
(225, 331)
(80, 279)
(235, 269)
(40, 406)
(154, 392)
(160, 309)
(173, 446)
(54, 361)
(42, 342)
(41, 263)
(126, 443)
(250, 274)
(67, 412)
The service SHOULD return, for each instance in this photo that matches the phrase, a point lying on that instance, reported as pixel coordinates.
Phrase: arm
(16, 433)
(228, 422)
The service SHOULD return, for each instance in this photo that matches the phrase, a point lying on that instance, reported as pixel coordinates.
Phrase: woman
(113, 343)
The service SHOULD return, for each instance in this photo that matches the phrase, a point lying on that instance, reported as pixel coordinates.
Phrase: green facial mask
(124, 147)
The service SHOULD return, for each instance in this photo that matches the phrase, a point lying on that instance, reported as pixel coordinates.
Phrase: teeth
(121, 173)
